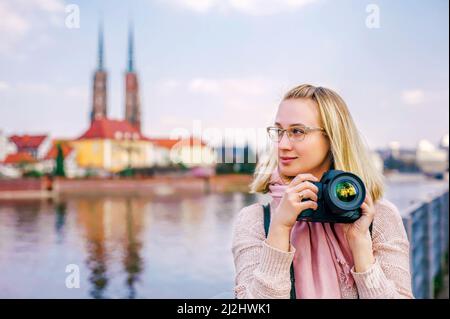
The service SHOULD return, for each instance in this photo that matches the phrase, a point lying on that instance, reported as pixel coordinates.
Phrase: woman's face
(311, 154)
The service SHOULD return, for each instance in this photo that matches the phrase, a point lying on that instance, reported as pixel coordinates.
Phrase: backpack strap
(266, 208)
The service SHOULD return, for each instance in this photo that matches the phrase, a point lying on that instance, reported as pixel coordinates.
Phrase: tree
(59, 167)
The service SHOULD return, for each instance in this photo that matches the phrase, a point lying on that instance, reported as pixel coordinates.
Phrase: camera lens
(346, 191)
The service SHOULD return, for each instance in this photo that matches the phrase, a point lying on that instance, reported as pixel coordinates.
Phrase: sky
(224, 64)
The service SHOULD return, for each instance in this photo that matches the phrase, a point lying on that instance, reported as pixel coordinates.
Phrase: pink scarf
(322, 259)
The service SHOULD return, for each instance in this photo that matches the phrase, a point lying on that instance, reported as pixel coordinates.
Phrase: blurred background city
(129, 132)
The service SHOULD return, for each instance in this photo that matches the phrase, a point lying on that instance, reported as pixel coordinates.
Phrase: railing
(427, 225)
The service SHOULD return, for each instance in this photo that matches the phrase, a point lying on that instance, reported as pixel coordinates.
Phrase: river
(132, 247)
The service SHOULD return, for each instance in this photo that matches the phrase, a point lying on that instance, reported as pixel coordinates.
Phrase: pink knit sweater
(263, 271)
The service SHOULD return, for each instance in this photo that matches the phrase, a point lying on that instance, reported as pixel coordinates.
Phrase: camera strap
(266, 208)
(266, 229)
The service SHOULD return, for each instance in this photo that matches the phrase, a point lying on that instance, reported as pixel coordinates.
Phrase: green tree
(59, 167)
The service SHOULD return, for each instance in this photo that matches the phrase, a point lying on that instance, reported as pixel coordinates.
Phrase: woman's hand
(291, 204)
(358, 236)
(290, 207)
(360, 228)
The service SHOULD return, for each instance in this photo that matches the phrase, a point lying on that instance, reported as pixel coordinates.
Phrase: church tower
(99, 106)
(132, 104)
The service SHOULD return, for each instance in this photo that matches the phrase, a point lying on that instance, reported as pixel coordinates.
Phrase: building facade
(113, 145)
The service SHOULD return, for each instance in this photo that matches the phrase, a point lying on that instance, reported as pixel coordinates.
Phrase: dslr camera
(339, 198)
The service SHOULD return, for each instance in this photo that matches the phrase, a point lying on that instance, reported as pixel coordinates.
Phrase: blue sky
(226, 63)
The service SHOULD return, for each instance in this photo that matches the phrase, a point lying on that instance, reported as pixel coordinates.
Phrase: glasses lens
(297, 133)
(346, 191)
(273, 133)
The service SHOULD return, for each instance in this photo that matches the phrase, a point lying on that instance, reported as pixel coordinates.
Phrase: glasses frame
(283, 130)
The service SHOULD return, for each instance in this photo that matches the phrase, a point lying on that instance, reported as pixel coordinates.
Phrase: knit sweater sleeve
(262, 271)
(389, 277)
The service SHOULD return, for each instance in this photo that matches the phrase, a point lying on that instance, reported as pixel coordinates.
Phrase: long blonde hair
(349, 152)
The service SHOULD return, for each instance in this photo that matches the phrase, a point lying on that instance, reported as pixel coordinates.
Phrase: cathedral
(100, 92)
(113, 145)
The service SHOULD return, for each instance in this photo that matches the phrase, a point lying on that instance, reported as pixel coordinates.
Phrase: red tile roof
(19, 158)
(169, 143)
(119, 129)
(27, 141)
(53, 152)
(163, 142)
(112, 129)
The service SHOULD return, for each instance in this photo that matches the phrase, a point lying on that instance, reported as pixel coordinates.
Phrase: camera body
(339, 199)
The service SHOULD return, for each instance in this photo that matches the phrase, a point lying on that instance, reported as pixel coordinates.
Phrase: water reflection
(133, 261)
(126, 247)
(110, 226)
(60, 211)
(91, 219)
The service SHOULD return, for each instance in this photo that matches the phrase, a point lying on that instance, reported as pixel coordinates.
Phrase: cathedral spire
(99, 87)
(130, 48)
(100, 46)
(132, 102)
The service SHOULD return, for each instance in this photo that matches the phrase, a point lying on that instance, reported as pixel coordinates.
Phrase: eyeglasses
(295, 133)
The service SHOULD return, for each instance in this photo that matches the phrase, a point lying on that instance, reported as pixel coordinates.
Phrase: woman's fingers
(302, 178)
(307, 204)
(298, 201)
(369, 200)
(307, 193)
(368, 211)
(364, 207)
(304, 190)
(304, 185)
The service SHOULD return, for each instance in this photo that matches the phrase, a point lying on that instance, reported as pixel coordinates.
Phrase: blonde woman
(314, 132)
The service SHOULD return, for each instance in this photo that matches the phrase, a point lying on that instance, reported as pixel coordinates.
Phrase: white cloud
(33, 88)
(207, 86)
(197, 5)
(4, 86)
(242, 102)
(11, 21)
(267, 7)
(76, 92)
(234, 87)
(22, 18)
(413, 97)
(46, 89)
(48, 5)
(250, 7)
(174, 121)
(162, 87)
